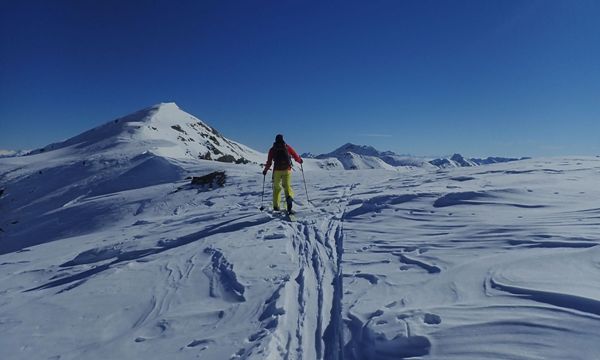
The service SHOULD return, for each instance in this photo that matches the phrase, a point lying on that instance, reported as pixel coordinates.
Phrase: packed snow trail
(307, 307)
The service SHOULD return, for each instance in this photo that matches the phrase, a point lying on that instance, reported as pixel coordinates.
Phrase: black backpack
(281, 157)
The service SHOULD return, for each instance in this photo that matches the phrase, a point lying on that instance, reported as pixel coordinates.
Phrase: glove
(265, 171)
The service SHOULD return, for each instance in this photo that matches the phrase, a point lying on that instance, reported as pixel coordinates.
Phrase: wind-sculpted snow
(378, 203)
(461, 263)
(377, 339)
(476, 198)
(148, 170)
(543, 284)
(223, 280)
(76, 197)
(502, 266)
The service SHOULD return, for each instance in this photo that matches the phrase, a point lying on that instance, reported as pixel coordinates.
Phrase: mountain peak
(355, 156)
(357, 149)
(165, 105)
(150, 113)
(163, 129)
(457, 157)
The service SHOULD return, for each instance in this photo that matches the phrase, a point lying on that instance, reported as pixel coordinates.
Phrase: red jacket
(290, 150)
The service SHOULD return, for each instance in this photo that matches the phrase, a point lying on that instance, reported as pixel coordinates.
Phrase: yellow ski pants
(281, 177)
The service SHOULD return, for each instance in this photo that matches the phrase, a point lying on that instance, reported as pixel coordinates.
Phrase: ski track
(311, 299)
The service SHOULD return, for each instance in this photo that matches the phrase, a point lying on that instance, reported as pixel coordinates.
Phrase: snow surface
(111, 254)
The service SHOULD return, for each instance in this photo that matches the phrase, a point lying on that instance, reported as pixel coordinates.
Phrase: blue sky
(424, 77)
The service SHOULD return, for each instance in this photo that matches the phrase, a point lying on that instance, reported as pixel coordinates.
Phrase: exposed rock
(214, 139)
(213, 179)
(227, 159)
(178, 128)
(206, 156)
(212, 148)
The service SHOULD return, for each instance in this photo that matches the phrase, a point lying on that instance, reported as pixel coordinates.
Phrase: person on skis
(281, 155)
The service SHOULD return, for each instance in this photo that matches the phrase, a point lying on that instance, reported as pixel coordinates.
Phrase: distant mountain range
(458, 160)
(353, 156)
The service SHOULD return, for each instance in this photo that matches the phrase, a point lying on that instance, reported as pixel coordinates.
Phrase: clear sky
(503, 77)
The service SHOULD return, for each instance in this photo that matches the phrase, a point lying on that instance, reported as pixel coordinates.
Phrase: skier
(281, 154)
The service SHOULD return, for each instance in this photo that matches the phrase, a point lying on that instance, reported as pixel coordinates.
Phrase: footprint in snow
(391, 305)
(376, 313)
(432, 319)
(196, 343)
(259, 335)
(275, 236)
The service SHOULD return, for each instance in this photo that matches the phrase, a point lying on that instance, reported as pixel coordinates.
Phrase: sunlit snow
(107, 252)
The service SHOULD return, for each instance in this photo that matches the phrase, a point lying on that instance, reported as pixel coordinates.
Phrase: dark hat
(279, 138)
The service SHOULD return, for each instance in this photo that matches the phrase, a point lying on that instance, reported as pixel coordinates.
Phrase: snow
(106, 251)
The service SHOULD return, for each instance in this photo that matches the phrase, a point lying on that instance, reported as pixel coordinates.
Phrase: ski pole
(262, 197)
(305, 188)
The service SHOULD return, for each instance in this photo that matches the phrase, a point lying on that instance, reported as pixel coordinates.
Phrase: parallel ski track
(311, 324)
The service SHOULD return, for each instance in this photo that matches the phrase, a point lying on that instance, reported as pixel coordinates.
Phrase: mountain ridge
(354, 156)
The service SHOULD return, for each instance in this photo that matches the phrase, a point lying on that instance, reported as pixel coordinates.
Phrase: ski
(291, 216)
(284, 215)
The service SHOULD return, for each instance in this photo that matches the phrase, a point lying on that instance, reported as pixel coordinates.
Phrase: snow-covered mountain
(458, 160)
(164, 130)
(148, 148)
(308, 155)
(354, 157)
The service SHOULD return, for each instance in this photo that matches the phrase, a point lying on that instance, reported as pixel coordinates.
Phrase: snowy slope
(465, 263)
(150, 147)
(106, 251)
